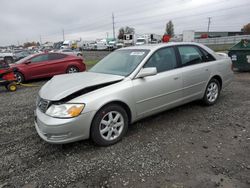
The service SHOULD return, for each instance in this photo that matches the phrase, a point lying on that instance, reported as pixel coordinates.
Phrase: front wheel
(212, 92)
(109, 125)
(19, 77)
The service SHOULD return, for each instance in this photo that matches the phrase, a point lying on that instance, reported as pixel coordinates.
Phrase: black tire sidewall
(10, 59)
(21, 75)
(95, 133)
(205, 99)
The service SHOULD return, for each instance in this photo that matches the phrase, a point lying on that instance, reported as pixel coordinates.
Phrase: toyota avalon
(127, 85)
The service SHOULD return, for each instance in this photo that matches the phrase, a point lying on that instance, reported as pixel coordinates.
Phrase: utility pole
(63, 34)
(208, 25)
(113, 22)
(40, 39)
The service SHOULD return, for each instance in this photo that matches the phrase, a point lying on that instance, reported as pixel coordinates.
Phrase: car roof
(160, 45)
(154, 47)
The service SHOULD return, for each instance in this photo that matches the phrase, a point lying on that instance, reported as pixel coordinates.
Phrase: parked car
(126, 86)
(7, 56)
(21, 54)
(47, 65)
(70, 52)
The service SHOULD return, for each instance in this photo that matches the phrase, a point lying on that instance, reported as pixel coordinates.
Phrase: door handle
(206, 69)
(176, 78)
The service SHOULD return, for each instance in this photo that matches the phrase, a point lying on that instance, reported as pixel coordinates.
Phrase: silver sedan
(126, 86)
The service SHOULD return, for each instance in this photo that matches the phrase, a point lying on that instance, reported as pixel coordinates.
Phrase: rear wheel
(72, 69)
(212, 92)
(8, 60)
(109, 125)
(19, 77)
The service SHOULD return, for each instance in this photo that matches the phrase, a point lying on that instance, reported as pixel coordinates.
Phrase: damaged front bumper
(61, 131)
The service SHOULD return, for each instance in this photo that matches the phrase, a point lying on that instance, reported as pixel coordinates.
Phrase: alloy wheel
(72, 70)
(111, 125)
(212, 92)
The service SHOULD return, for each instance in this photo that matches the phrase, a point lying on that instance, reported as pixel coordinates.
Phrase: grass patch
(90, 63)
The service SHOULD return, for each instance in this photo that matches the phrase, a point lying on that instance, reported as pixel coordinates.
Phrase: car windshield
(140, 40)
(24, 59)
(121, 62)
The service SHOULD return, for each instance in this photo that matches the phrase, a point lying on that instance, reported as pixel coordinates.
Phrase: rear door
(195, 71)
(161, 91)
(57, 64)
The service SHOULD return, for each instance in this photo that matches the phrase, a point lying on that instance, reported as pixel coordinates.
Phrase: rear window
(190, 55)
(55, 56)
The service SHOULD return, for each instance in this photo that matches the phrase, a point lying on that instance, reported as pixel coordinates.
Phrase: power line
(153, 22)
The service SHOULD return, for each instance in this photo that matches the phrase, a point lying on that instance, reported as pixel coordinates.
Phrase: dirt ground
(189, 146)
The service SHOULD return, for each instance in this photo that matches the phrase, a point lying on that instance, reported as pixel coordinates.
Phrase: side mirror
(27, 62)
(144, 72)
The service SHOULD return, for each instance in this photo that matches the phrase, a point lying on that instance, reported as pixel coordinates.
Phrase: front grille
(43, 105)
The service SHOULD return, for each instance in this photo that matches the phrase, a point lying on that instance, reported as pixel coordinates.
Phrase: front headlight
(65, 110)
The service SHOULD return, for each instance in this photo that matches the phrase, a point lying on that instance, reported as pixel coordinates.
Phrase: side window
(55, 56)
(40, 58)
(163, 59)
(190, 55)
(207, 56)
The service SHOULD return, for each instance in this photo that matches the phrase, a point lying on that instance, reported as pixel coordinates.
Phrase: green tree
(246, 29)
(121, 33)
(170, 28)
(129, 30)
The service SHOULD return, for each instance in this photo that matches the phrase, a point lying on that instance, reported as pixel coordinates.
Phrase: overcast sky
(27, 20)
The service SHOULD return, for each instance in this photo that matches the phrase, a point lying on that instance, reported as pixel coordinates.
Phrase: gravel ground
(189, 146)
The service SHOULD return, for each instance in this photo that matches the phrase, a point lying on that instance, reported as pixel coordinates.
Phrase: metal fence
(223, 40)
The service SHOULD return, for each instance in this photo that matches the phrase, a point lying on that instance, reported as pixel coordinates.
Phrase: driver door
(161, 91)
(38, 66)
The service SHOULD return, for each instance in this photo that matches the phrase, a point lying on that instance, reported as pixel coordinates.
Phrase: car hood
(61, 86)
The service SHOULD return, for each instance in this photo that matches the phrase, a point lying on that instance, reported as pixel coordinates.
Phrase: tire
(9, 60)
(19, 77)
(11, 87)
(110, 124)
(212, 92)
(72, 69)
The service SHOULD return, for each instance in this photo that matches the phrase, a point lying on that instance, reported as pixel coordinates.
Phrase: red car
(45, 65)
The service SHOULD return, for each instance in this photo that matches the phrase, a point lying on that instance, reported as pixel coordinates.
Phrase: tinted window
(207, 56)
(163, 59)
(56, 56)
(40, 58)
(190, 55)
